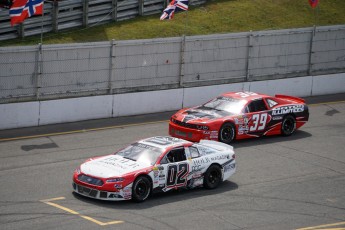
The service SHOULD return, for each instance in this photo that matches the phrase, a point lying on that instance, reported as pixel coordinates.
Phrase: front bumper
(189, 134)
(124, 194)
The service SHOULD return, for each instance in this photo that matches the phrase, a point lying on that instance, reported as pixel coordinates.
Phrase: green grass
(217, 16)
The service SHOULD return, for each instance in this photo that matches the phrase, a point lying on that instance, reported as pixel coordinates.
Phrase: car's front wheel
(212, 177)
(288, 125)
(141, 189)
(227, 133)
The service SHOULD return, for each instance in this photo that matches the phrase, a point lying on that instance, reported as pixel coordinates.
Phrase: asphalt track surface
(295, 182)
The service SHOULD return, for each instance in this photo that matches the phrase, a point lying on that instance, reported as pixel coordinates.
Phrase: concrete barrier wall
(17, 115)
(328, 85)
(147, 102)
(75, 109)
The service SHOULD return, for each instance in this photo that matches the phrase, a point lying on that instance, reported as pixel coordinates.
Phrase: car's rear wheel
(227, 133)
(141, 189)
(212, 177)
(288, 125)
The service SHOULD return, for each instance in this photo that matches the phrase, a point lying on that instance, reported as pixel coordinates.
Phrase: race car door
(258, 117)
(176, 168)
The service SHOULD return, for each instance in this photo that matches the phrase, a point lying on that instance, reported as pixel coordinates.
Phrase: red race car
(240, 115)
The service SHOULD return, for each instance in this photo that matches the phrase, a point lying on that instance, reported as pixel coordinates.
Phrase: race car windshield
(227, 104)
(142, 153)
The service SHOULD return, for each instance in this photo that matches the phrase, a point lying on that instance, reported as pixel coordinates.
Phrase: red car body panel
(201, 122)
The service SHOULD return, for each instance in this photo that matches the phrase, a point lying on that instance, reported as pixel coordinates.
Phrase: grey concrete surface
(281, 182)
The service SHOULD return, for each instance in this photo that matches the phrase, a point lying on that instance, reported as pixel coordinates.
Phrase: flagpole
(42, 23)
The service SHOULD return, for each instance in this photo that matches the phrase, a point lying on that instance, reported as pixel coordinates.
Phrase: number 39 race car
(240, 115)
(152, 165)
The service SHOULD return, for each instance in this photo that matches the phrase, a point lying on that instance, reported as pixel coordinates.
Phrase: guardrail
(66, 14)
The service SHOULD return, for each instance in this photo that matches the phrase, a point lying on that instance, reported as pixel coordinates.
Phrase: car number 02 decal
(177, 175)
(259, 122)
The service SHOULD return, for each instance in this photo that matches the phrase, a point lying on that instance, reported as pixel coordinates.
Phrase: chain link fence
(74, 70)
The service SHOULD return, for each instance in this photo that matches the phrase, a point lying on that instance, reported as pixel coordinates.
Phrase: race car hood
(200, 114)
(110, 166)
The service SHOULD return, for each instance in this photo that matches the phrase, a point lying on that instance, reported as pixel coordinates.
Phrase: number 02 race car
(240, 115)
(152, 165)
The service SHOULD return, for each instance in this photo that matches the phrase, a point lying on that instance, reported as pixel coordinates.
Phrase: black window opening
(176, 155)
(257, 106)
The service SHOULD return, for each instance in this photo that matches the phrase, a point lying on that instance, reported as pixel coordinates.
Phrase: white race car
(152, 165)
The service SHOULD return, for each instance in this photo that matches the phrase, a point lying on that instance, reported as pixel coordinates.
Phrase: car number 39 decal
(177, 175)
(259, 122)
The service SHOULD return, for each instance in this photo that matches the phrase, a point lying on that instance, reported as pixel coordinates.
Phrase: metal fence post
(141, 7)
(250, 46)
(114, 8)
(21, 32)
(310, 64)
(183, 46)
(55, 12)
(39, 68)
(85, 12)
(111, 65)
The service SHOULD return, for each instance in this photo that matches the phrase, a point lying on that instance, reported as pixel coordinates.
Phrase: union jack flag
(174, 6)
(22, 9)
(313, 3)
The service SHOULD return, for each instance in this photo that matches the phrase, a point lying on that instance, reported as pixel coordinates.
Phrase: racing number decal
(259, 122)
(177, 175)
(246, 94)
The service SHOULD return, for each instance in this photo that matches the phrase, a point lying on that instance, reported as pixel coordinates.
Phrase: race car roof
(164, 142)
(245, 95)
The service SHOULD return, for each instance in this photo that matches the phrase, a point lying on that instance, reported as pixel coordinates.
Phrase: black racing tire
(288, 125)
(227, 133)
(213, 177)
(141, 189)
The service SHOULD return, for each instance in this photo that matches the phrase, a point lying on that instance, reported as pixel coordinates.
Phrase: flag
(174, 6)
(22, 9)
(313, 3)
(181, 5)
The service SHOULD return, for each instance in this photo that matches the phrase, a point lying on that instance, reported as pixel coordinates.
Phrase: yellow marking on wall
(334, 226)
(48, 202)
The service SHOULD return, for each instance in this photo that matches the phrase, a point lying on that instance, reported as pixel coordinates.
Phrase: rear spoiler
(296, 99)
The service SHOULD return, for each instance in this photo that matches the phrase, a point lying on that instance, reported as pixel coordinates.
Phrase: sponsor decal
(197, 175)
(241, 120)
(205, 150)
(152, 148)
(220, 157)
(201, 161)
(115, 195)
(243, 128)
(196, 168)
(214, 134)
(277, 118)
(288, 109)
(117, 185)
